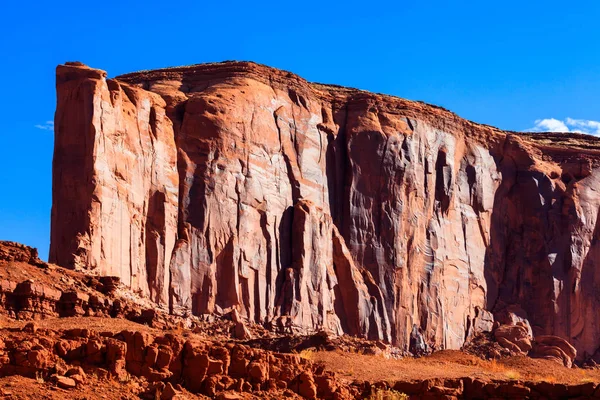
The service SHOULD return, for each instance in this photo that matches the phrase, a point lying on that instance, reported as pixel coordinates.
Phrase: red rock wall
(115, 180)
(334, 207)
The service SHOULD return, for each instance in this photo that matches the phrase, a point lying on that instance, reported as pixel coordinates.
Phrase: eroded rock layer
(237, 186)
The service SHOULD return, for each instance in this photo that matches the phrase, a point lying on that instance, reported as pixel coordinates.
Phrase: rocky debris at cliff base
(13, 251)
(485, 346)
(240, 330)
(516, 338)
(198, 366)
(513, 315)
(323, 341)
(167, 366)
(511, 340)
(45, 294)
(554, 348)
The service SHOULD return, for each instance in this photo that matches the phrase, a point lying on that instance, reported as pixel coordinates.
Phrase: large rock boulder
(515, 338)
(554, 348)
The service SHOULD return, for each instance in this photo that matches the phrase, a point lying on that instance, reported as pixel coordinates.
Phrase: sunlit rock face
(238, 186)
(115, 180)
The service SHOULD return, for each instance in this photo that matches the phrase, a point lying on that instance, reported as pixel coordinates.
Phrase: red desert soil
(449, 364)
(19, 387)
(93, 323)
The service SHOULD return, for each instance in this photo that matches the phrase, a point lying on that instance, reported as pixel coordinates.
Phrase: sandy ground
(450, 364)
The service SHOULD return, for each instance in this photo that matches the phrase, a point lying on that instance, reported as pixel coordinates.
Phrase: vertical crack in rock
(443, 178)
(336, 164)
(288, 163)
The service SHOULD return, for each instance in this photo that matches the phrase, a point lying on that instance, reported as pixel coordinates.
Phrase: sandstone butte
(235, 186)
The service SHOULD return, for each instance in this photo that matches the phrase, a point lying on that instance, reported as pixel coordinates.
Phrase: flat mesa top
(217, 71)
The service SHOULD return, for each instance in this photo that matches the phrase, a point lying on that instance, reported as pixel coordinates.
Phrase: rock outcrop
(554, 348)
(516, 338)
(12, 251)
(170, 364)
(115, 180)
(235, 186)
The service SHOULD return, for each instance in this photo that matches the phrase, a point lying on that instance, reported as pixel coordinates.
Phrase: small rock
(168, 392)
(30, 327)
(65, 383)
(102, 374)
(75, 371)
(61, 367)
(79, 379)
(306, 386)
(381, 345)
(257, 371)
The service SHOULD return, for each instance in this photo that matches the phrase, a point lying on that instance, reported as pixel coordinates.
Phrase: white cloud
(46, 126)
(567, 125)
(549, 125)
(585, 126)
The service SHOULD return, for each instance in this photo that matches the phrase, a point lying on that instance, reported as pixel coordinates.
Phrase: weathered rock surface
(516, 338)
(12, 251)
(237, 186)
(554, 348)
(115, 180)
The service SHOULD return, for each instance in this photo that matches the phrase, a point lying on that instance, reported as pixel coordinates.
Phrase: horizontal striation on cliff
(238, 186)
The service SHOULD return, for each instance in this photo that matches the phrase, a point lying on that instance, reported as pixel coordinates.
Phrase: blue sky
(514, 64)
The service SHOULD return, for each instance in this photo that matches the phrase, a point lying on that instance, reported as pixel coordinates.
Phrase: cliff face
(115, 181)
(235, 185)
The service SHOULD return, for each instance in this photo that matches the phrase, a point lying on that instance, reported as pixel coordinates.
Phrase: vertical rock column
(115, 167)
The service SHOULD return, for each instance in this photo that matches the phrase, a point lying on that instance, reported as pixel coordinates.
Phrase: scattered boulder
(109, 284)
(515, 338)
(64, 382)
(30, 327)
(417, 345)
(240, 330)
(554, 348)
(305, 385)
(79, 379)
(169, 392)
(514, 315)
(75, 371)
(483, 321)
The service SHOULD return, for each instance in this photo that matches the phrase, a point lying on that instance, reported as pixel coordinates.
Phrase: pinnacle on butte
(303, 206)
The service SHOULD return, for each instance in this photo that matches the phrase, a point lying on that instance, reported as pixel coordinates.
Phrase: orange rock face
(237, 186)
(115, 180)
